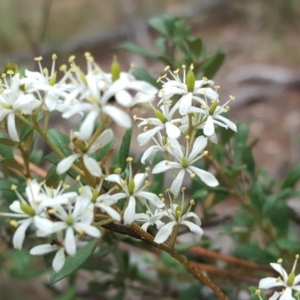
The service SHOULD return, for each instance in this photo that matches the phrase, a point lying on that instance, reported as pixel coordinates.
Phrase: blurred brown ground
(262, 67)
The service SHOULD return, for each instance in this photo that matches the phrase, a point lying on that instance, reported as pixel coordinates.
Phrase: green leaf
(5, 184)
(138, 50)
(36, 157)
(248, 159)
(164, 25)
(7, 142)
(291, 178)
(254, 253)
(143, 74)
(160, 43)
(211, 65)
(73, 262)
(59, 140)
(240, 140)
(124, 148)
(195, 47)
(257, 196)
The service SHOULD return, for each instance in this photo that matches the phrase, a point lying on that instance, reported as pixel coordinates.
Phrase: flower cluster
(181, 128)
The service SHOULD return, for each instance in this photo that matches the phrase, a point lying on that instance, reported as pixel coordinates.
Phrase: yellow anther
(148, 212)
(204, 78)
(71, 58)
(258, 292)
(232, 98)
(227, 108)
(46, 71)
(169, 101)
(187, 137)
(280, 260)
(54, 56)
(183, 189)
(10, 72)
(167, 68)
(63, 68)
(217, 87)
(13, 187)
(135, 117)
(192, 67)
(117, 170)
(51, 211)
(192, 175)
(176, 71)
(192, 202)
(13, 223)
(128, 159)
(39, 58)
(147, 183)
(132, 66)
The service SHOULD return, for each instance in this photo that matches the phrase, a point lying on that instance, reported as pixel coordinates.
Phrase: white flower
(73, 220)
(188, 88)
(175, 214)
(81, 151)
(28, 211)
(37, 82)
(56, 245)
(13, 100)
(104, 201)
(184, 162)
(160, 146)
(289, 282)
(150, 218)
(133, 189)
(209, 115)
(164, 120)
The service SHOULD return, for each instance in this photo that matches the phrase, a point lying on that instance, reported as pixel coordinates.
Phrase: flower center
(6, 105)
(291, 279)
(184, 162)
(213, 107)
(178, 212)
(190, 80)
(70, 220)
(94, 196)
(27, 209)
(131, 186)
(115, 69)
(158, 114)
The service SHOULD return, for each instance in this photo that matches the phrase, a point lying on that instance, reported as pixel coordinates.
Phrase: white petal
(129, 212)
(152, 198)
(114, 178)
(164, 166)
(269, 282)
(139, 180)
(43, 249)
(199, 145)
(205, 176)
(59, 260)
(275, 296)
(278, 268)
(110, 211)
(209, 127)
(66, 163)
(70, 241)
(88, 229)
(118, 115)
(172, 130)
(185, 104)
(150, 153)
(87, 126)
(92, 165)
(193, 227)
(124, 98)
(229, 123)
(177, 183)
(145, 137)
(11, 127)
(19, 235)
(164, 232)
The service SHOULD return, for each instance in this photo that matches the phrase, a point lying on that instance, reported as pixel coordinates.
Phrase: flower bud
(190, 80)
(115, 69)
